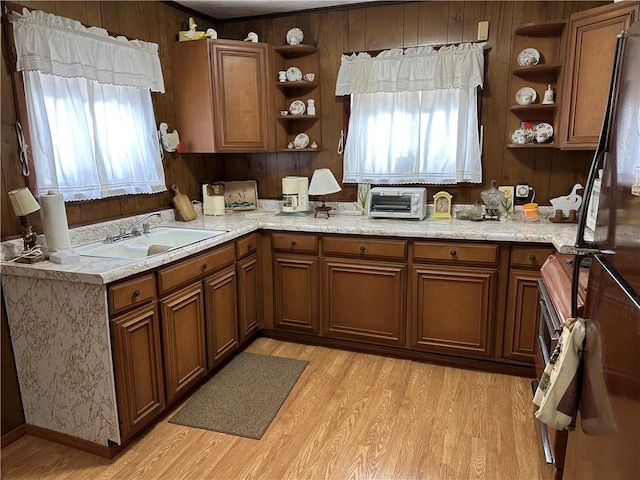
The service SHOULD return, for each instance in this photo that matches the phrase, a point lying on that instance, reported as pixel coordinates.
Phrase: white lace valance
(64, 47)
(412, 69)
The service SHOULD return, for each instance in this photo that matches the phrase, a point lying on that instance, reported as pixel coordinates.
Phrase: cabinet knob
(136, 293)
(293, 242)
(204, 266)
(249, 246)
(453, 253)
(362, 248)
(532, 258)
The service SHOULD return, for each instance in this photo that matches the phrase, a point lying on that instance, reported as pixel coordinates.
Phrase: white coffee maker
(295, 196)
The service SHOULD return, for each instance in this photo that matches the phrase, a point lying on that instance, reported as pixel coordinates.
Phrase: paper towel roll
(54, 221)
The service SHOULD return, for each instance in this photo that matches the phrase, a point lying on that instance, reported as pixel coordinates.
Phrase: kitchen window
(89, 106)
(414, 115)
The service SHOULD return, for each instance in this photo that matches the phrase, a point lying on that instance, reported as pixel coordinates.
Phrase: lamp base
(324, 210)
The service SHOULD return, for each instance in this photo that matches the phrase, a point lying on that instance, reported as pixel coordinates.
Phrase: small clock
(442, 205)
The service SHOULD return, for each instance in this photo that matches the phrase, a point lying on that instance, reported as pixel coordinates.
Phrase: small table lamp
(23, 204)
(323, 183)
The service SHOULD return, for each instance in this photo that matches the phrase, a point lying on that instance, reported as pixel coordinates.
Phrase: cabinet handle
(453, 253)
(293, 242)
(532, 258)
(249, 246)
(136, 293)
(204, 266)
(362, 248)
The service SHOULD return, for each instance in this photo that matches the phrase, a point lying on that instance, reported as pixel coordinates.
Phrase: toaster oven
(397, 202)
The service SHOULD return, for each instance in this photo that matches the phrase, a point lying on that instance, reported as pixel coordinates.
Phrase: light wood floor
(350, 415)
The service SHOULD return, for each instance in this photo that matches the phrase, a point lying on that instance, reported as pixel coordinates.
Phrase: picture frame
(241, 195)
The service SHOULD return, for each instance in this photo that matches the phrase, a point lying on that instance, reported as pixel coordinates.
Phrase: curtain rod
(438, 46)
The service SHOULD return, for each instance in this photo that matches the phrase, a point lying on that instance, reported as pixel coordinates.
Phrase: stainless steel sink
(158, 240)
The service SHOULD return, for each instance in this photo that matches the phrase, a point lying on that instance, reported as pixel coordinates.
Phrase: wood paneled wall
(334, 31)
(156, 22)
(550, 171)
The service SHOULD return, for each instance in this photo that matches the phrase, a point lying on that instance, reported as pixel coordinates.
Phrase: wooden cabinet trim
(364, 246)
(220, 311)
(455, 252)
(246, 245)
(190, 269)
(249, 316)
(131, 293)
(529, 256)
(295, 242)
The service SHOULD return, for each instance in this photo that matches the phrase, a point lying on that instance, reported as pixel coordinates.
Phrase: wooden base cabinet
(364, 301)
(248, 281)
(183, 332)
(221, 315)
(523, 309)
(138, 368)
(296, 293)
(452, 310)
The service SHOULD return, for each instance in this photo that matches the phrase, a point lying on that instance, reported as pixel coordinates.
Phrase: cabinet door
(221, 315)
(240, 96)
(520, 339)
(138, 368)
(453, 310)
(184, 341)
(587, 72)
(248, 321)
(296, 293)
(364, 301)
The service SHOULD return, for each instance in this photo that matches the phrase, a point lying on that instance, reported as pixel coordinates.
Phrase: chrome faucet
(131, 231)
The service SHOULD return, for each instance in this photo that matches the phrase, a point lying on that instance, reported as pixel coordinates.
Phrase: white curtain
(89, 105)
(414, 115)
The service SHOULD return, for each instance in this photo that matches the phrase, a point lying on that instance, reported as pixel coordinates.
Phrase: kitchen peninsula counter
(97, 270)
(60, 321)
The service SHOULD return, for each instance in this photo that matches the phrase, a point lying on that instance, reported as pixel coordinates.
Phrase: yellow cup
(530, 212)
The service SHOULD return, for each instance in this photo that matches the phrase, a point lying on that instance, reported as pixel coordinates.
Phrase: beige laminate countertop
(106, 270)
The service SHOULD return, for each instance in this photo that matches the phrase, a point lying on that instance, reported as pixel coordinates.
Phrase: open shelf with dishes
(536, 64)
(296, 78)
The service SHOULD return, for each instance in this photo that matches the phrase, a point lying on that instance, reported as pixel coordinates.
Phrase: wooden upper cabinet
(587, 72)
(222, 96)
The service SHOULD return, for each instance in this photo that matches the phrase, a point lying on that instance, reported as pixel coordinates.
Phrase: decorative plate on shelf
(543, 132)
(528, 57)
(519, 136)
(525, 92)
(301, 140)
(294, 74)
(297, 107)
(295, 36)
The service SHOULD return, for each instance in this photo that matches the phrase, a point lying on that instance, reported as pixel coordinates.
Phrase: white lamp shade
(323, 182)
(23, 202)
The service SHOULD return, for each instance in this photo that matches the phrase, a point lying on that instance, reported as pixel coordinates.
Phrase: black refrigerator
(612, 247)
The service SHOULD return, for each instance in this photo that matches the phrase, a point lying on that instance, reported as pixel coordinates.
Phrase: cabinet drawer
(295, 242)
(131, 293)
(365, 247)
(526, 256)
(455, 252)
(246, 245)
(183, 272)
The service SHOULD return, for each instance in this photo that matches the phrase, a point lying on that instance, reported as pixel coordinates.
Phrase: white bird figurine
(251, 37)
(211, 33)
(192, 32)
(170, 141)
(568, 202)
